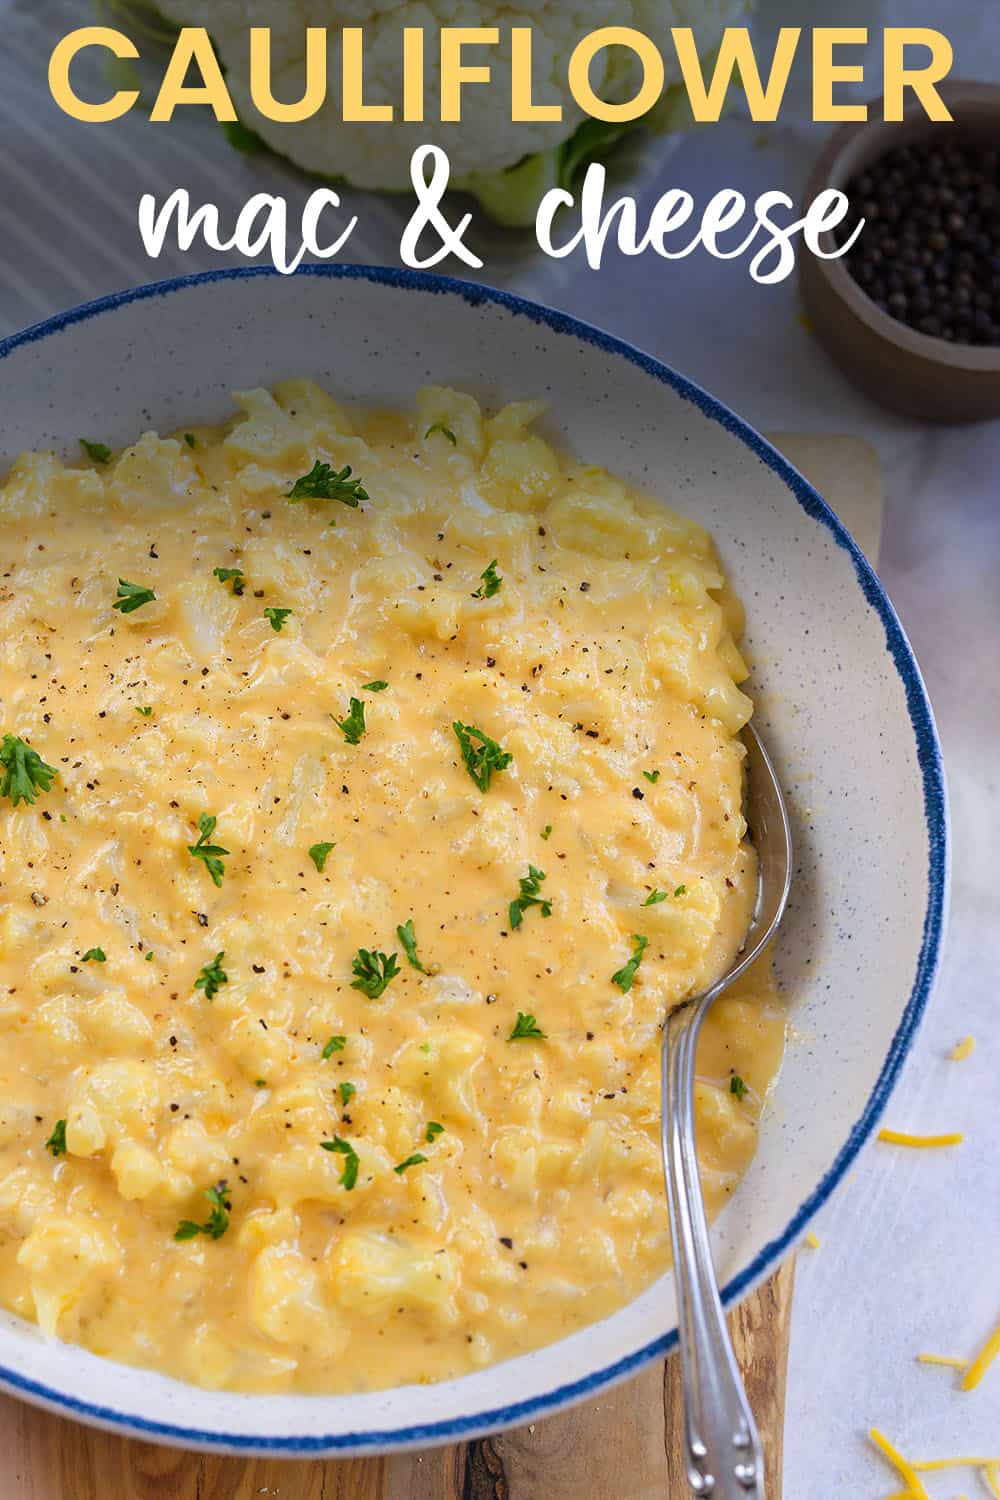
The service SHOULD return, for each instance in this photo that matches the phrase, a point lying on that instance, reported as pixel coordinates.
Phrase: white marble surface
(909, 1256)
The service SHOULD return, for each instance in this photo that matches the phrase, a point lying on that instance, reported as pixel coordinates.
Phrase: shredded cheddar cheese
(982, 1361)
(906, 1471)
(975, 1368)
(935, 1465)
(812, 1240)
(921, 1142)
(963, 1049)
(911, 1469)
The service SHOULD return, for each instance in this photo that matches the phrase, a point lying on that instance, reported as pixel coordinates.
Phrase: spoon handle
(724, 1454)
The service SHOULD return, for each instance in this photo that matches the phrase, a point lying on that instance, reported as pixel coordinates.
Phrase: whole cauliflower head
(487, 145)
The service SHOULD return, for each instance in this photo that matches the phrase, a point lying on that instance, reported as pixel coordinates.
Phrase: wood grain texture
(625, 1445)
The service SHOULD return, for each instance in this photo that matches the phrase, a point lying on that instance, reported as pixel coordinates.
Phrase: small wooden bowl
(921, 376)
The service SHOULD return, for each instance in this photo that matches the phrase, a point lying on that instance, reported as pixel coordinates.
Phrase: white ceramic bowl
(840, 701)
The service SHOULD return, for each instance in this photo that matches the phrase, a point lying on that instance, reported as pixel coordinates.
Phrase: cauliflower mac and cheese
(370, 789)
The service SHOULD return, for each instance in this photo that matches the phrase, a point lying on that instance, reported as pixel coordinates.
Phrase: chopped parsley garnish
(191, 440)
(434, 1130)
(547, 831)
(625, 977)
(652, 776)
(737, 1086)
(374, 687)
(526, 1029)
(408, 938)
(655, 897)
(349, 1175)
(94, 955)
(235, 576)
(680, 890)
(25, 774)
(212, 977)
(56, 1142)
(100, 453)
(347, 1092)
(353, 727)
(217, 1222)
(481, 759)
(531, 885)
(445, 432)
(131, 596)
(277, 617)
(320, 853)
(492, 582)
(324, 483)
(212, 854)
(411, 1161)
(372, 972)
(145, 711)
(335, 1044)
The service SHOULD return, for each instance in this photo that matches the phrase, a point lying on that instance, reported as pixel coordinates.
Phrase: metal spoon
(724, 1454)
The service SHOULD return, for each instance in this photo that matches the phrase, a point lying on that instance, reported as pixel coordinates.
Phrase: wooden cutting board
(625, 1445)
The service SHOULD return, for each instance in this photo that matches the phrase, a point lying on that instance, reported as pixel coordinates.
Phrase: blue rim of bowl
(935, 813)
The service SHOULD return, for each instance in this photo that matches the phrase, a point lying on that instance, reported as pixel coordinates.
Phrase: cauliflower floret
(152, 472)
(454, 412)
(258, 1053)
(395, 1120)
(286, 1301)
(66, 1258)
(113, 1099)
(519, 472)
(117, 1024)
(37, 480)
(308, 402)
(206, 612)
(595, 515)
(372, 1274)
(136, 1170)
(265, 432)
(443, 1070)
(24, 1199)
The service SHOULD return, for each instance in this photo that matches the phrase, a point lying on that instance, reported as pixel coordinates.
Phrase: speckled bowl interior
(840, 702)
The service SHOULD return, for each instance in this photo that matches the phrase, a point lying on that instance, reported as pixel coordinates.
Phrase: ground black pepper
(929, 254)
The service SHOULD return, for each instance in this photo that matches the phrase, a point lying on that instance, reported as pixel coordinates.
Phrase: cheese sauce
(177, 1035)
